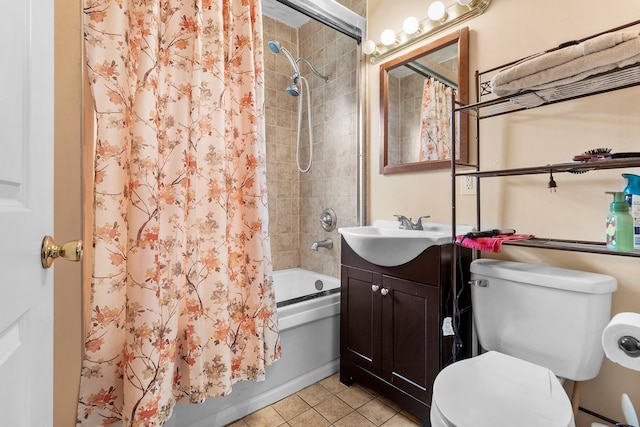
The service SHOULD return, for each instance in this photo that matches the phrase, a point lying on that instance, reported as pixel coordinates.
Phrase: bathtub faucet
(326, 243)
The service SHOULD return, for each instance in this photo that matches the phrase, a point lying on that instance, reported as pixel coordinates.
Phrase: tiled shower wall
(393, 120)
(411, 88)
(296, 199)
(283, 184)
(403, 118)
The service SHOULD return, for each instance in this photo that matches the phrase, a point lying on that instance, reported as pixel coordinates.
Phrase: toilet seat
(495, 390)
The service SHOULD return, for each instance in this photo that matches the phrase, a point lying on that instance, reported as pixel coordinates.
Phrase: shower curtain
(435, 121)
(182, 304)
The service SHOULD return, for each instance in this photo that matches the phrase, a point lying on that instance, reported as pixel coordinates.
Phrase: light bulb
(368, 47)
(436, 11)
(410, 25)
(388, 37)
(469, 3)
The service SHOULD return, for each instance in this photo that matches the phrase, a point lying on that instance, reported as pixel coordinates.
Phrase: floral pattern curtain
(435, 121)
(182, 304)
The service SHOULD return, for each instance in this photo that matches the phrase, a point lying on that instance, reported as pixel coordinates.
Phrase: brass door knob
(71, 251)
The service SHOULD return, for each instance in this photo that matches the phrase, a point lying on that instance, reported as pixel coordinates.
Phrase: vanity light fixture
(388, 37)
(369, 47)
(411, 25)
(437, 11)
(440, 17)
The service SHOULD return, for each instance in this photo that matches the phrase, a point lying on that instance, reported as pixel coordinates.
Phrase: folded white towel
(569, 64)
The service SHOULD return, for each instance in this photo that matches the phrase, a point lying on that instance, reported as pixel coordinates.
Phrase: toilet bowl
(536, 322)
(496, 390)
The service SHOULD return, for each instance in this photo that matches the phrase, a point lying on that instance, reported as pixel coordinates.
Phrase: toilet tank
(549, 316)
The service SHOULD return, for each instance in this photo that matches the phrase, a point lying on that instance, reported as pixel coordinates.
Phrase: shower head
(293, 89)
(274, 46)
(277, 48)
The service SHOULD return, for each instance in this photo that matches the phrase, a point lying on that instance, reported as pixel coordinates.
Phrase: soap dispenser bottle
(632, 196)
(619, 224)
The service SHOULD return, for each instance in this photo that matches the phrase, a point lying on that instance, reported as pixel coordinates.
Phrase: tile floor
(331, 403)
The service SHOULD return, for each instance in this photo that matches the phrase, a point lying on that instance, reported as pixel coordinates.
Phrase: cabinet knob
(375, 288)
(384, 291)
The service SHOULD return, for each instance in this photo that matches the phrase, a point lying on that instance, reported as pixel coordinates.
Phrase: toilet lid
(495, 389)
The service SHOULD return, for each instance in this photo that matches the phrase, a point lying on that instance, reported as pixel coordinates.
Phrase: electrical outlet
(467, 185)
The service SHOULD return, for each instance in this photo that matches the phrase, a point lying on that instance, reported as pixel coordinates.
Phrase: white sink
(383, 243)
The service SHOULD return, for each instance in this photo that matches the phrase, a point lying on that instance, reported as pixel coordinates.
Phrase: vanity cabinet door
(410, 335)
(360, 320)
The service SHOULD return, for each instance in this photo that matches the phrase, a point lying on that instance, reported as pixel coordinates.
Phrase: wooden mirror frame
(462, 38)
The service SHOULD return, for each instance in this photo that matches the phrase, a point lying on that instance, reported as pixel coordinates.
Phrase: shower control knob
(375, 288)
(384, 291)
(328, 219)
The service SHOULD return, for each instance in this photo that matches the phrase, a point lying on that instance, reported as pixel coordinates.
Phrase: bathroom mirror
(415, 105)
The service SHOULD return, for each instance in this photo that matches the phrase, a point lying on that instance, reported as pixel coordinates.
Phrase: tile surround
(296, 199)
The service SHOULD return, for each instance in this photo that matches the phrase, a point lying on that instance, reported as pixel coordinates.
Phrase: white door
(26, 213)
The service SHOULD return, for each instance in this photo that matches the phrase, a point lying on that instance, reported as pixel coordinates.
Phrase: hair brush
(603, 154)
(592, 155)
(598, 154)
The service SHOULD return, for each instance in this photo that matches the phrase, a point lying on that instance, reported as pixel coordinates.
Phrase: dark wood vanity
(391, 318)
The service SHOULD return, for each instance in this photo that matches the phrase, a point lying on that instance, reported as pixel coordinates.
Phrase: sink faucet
(326, 243)
(406, 224)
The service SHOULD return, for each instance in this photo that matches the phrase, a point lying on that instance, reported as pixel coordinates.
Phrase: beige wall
(508, 31)
(68, 209)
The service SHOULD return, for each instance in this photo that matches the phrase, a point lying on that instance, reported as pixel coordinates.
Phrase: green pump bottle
(619, 227)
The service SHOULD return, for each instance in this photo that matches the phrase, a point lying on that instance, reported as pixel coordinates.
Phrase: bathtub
(309, 320)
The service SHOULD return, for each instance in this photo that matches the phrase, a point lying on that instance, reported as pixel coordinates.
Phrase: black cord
(457, 340)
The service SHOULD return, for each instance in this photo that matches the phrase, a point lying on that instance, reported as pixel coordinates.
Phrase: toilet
(535, 323)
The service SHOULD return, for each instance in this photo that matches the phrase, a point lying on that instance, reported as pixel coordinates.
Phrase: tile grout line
(330, 387)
